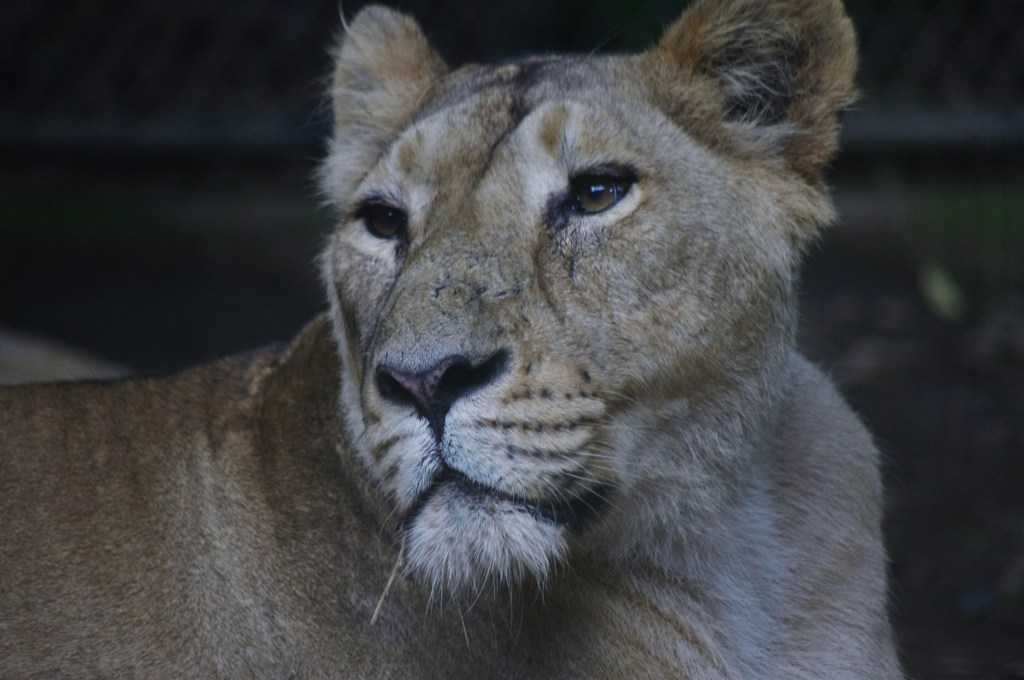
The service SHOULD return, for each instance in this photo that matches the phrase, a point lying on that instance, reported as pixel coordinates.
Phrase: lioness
(553, 425)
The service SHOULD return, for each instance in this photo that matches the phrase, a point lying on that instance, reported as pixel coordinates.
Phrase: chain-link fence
(946, 72)
(143, 73)
(952, 54)
(202, 74)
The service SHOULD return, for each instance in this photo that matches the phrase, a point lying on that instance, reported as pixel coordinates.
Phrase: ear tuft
(384, 69)
(781, 67)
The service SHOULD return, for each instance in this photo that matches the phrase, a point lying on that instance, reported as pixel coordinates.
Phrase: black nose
(433, 391)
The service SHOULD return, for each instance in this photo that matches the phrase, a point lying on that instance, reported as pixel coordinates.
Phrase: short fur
(635, 473)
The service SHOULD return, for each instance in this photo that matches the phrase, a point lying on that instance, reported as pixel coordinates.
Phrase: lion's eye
(383, 221)
(592, 194)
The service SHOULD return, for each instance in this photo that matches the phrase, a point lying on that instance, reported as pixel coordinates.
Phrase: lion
(553, 424)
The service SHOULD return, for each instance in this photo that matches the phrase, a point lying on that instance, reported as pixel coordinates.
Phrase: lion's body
(553, 426)
(255, 549)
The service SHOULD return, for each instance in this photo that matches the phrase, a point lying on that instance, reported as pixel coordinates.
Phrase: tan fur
(243, 518)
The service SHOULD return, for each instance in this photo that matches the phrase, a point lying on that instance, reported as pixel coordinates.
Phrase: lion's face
(546, 291)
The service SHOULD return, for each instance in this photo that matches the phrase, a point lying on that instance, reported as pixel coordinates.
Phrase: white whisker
(391, 580)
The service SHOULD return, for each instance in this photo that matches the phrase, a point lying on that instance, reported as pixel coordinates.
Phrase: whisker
(390, 582)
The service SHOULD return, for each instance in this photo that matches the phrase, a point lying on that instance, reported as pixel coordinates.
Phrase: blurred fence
(198, 75)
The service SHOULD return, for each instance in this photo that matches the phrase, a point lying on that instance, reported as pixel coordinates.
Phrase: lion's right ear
(383, 68)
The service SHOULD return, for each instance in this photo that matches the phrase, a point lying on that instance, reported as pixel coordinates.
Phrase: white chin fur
(459, 543)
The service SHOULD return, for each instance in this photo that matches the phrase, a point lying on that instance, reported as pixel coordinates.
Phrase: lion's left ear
(779, 70)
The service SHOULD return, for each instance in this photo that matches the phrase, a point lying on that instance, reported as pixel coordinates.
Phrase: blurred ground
(190, 260)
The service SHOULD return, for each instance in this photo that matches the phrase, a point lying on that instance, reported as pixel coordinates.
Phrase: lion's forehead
(537, 114)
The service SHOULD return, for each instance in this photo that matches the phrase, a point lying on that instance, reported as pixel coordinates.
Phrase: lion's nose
(433, 391)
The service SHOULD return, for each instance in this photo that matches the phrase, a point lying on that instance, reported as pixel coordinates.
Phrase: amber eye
(383, 221)
(592, 194)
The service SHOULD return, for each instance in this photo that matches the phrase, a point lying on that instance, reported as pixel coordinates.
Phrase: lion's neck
(685, 526)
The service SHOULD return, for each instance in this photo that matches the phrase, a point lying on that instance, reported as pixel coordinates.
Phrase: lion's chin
(461, 539)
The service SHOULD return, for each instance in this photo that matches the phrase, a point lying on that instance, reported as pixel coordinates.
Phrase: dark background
(157, 208)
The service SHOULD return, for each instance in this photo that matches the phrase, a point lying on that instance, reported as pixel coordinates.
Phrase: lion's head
(562, 287)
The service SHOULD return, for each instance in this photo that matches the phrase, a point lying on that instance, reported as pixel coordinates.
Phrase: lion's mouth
(574, 512)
